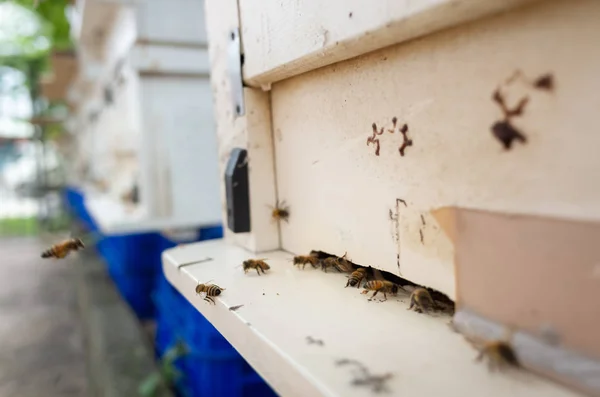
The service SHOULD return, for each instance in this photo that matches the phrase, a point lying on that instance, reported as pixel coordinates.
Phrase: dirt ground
(41, 340)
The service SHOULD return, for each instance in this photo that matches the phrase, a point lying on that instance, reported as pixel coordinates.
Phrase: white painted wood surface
(284, 38)
(173, 21)
(251, 132)
(113, 217)
(344, 198)
(180, 143)
(287, 305)
(151, 58)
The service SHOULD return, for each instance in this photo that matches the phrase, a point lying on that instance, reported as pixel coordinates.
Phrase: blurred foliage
(55, 110)
(29, 31)
(167, 374)
(12, 227)
(55, 13)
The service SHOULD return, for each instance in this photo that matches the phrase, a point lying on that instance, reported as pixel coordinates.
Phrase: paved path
(41, 347)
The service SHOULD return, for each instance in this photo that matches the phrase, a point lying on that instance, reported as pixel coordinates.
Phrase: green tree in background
(29, 31)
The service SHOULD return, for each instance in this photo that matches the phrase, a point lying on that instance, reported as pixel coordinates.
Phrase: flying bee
(258, 264)
(357, 277)
(280, 212)
(421, 301)
(500, 354)
(63, 248)
(380, 286)
(208, 291)
(313, 260)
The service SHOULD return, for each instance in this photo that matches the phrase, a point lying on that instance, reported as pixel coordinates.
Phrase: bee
(421, 301)
(63, 248)
(340, 264)
(499, 353)
(258, 264)
(331, 263)
(380, 286)
(304, 259)
(280, 212)
(208, 291)
(357, 277)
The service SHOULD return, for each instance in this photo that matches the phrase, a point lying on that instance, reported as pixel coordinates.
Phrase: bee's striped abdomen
(213, 290)
(48, 253)
(374, 284)
(356, 277)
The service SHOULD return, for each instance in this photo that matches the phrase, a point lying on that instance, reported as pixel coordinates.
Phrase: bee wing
(59, 237)
(202, 295)
(345, 266)
(477, 342)
(91, 238)
(377, 275)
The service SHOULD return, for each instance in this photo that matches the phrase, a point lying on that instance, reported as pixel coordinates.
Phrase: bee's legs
(374, 293)
(258, 271)
(431, 303)
(412, 303)
(347, 283)
(384, 296)
(303, 265)
(479, 356)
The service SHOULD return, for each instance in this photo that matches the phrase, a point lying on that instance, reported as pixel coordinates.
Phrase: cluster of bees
(498, 352)
(420, 298)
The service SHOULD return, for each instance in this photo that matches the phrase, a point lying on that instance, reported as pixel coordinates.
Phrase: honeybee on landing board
(380, 286)
(63, 248)
(280, 212)
(259, 264)
(421, 301)
(342, 265)
(500, 354)
(313, 260)
(357, 277)
(208, 291)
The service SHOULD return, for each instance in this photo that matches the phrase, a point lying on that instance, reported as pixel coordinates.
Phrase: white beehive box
(459, 210)
(158, 129)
